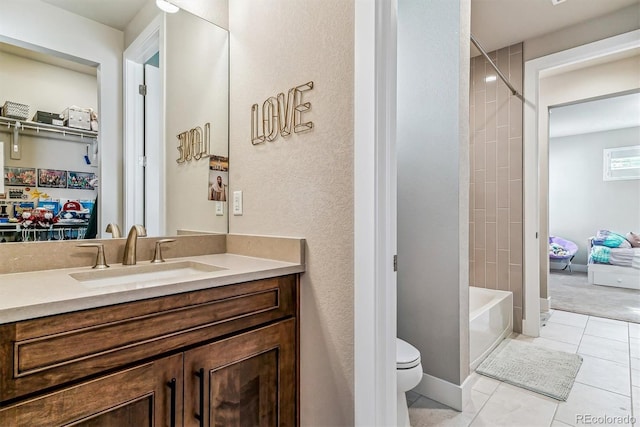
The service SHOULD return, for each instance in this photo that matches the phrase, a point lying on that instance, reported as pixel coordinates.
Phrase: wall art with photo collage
(48, 178)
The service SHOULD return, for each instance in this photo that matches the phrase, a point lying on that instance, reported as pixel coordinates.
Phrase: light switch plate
(15, 149)
(219, 208)
(237, 202)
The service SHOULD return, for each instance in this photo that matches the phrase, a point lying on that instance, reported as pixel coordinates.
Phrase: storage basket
(76, 117)
(15, 110)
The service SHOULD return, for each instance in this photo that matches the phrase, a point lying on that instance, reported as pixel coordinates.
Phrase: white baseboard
(531, 329)
(574, 267)
(545, 304)
(453, 395)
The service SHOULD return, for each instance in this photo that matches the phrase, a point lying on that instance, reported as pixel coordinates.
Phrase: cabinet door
(140, 396)
(245, 380)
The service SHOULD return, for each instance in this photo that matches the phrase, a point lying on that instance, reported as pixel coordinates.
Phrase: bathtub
(490, 321)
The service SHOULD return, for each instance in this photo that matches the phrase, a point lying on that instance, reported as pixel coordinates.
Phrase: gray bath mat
(544, 371)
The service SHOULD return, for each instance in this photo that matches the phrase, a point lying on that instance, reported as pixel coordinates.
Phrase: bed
(613, 266)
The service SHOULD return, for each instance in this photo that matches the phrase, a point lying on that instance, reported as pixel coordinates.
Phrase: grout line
(602, 358)
(603, 389)
(566, 324)
(556, 411)
(564, 342)
(484, 404)
(628, 355)
(584, 330)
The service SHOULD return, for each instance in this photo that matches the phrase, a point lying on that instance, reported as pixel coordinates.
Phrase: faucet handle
(101, 262)
(157, 256)
(114, 230)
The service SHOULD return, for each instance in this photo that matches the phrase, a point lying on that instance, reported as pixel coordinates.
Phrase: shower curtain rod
(495, 67)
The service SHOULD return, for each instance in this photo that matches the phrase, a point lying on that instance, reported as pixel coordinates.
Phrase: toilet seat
(407, 356)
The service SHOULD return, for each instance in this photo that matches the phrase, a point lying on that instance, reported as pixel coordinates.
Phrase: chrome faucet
(130, 247)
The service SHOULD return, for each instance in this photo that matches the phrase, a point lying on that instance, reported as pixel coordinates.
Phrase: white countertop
(44, 293)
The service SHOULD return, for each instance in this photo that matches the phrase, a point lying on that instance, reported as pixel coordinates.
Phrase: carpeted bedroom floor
(571, 292)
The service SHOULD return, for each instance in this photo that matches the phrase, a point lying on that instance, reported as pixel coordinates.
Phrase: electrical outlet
(237, 202)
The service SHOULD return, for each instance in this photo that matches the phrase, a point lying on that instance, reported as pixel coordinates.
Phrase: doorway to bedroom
(594, 206)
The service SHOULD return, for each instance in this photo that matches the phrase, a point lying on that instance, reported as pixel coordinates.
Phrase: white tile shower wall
(495, 208)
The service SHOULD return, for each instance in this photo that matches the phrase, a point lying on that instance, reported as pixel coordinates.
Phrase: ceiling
(113, 13)
(500, 23)
(494, 23)
(618, 112)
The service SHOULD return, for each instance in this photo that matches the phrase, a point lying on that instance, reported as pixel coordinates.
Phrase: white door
(152, 151)
(143, 186)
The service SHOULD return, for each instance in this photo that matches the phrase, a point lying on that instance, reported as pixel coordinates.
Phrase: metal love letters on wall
(280, 115)
(194, 143)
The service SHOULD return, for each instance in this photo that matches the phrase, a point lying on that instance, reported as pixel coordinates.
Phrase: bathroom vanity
(209, 348)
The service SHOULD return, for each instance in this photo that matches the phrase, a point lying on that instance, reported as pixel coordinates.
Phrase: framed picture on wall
(17, 193)
(81, 180)
(218, 178)
(20, 176)
(52, 178)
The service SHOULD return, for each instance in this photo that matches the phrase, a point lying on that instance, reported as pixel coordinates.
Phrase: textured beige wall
(589, 82)
(302, 185)
(495, 209)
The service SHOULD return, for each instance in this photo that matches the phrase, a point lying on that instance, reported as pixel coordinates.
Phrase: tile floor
(608, 384)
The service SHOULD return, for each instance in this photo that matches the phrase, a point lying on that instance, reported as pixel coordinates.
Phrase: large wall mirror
(160, 160)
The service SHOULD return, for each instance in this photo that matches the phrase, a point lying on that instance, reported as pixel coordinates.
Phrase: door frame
(375, 217)
(150, 41)
(533, 151)
(154, 149)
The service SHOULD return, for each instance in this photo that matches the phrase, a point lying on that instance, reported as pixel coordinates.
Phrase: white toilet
(409, 372)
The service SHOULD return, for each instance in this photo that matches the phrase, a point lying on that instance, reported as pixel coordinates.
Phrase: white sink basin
(145, 274)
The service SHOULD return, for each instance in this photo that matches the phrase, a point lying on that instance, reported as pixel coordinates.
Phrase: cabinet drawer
(620, 280)
(46, 352)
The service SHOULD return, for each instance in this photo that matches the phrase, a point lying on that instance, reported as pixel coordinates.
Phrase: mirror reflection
(84, 157)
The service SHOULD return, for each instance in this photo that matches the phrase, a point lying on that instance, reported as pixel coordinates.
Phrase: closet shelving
(42, 130)
(58, 231)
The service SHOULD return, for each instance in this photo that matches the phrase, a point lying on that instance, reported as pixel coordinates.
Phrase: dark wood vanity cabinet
(224, 356)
